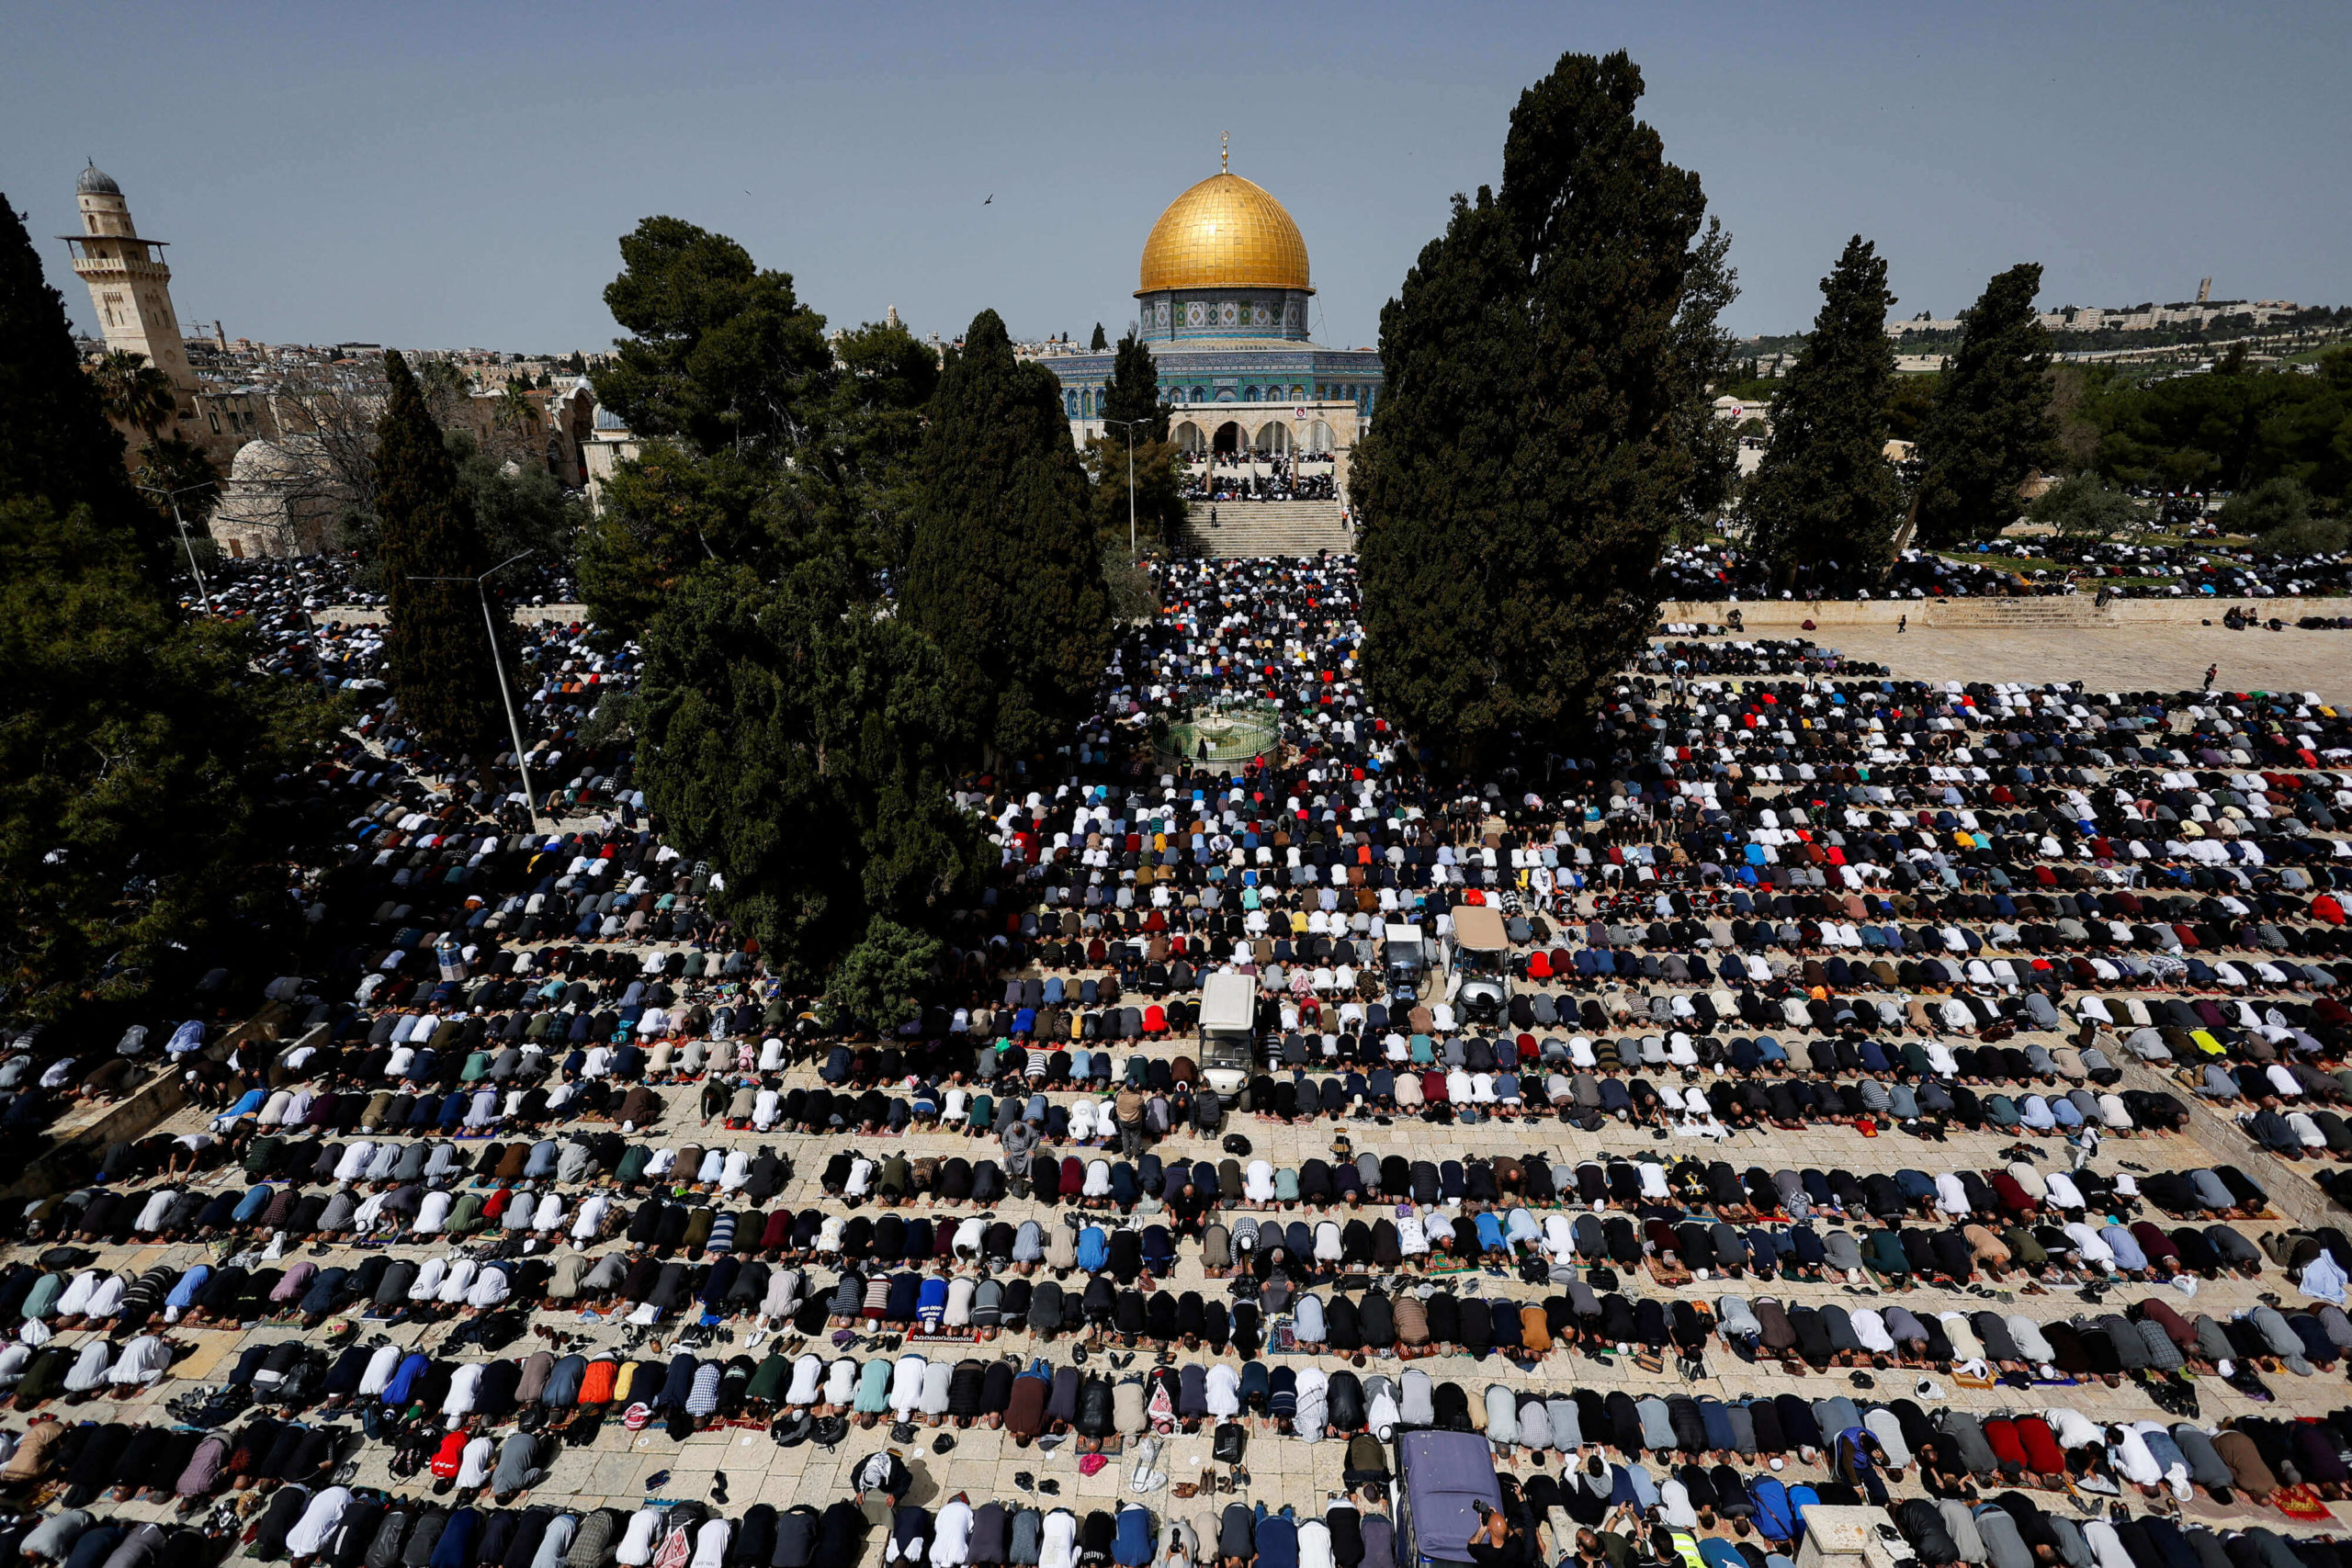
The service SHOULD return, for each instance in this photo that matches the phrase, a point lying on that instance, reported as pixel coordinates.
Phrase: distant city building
(2197, 315)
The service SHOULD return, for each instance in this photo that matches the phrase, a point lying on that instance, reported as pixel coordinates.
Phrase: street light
(173, 496)
(513, 724)
(1130, 424)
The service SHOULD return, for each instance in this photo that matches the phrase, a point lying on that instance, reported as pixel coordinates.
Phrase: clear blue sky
(447, 176)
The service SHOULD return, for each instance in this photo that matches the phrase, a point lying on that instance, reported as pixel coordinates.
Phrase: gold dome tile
(1224, 232)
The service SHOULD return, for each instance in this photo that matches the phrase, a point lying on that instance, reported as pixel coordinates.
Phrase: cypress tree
(1005, 573)
(1100, 343)
(1704, 348)
(1825, 496)
(1991, 424)
(440, 653)
(1527, 465)
(1133, 392)
(54, 438)
(140, 749)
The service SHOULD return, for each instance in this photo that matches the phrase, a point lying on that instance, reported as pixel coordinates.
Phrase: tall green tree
(2277, 512)
(1527, 464)
(1159, 507)
(791, 728)
(854, 480)
(54, 438)
(1991, 424)
(440, 655)
(804, 743)
(765, 443)
(140, 752)
(524, 509)
(1132, 393)
(2080, 504)
(1006, 576)
(1100, 343)
(1706, 349)
(2232, 433)
(722, 354)
(1825, 496)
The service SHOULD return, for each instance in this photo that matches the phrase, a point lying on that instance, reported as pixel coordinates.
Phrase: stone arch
(1227, 439)
(1319, 437)
(1188, 437)
(1273, 438)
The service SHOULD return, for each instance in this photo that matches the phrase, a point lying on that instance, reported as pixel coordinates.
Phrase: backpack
(1231, 1439)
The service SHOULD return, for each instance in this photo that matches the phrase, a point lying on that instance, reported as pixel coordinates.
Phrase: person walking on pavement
(1127, 1110)
(2210, 671)
(1019, 1138)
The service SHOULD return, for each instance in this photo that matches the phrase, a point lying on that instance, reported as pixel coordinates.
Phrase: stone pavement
(2123, 658)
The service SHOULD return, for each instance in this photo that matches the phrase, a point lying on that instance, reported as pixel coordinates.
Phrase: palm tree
(180, 469)
(517, 413)
(135, 392)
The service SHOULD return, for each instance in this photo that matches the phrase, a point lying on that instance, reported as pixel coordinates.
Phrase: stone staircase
(1267, 528)
(2074, 611)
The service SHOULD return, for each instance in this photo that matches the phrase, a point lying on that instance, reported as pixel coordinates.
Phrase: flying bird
(991, 197)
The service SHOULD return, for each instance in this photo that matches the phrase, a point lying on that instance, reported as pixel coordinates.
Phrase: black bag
(1235, 1143)
(1231, 1439)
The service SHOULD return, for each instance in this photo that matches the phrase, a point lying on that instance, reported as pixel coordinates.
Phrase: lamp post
(513, 724)
(1130, 425)
(202, 593)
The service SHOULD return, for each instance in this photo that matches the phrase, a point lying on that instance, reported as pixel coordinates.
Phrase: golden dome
(1224, 232)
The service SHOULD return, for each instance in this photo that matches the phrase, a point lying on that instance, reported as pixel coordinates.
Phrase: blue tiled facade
(1239, 345)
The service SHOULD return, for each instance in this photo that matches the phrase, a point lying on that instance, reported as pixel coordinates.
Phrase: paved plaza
(2129, 657)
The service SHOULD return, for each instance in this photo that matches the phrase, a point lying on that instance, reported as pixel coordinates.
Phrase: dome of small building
(94, 181)
(1224, 232)
(261, 462)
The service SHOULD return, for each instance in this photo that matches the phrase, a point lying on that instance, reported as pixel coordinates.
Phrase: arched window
(1069, 404)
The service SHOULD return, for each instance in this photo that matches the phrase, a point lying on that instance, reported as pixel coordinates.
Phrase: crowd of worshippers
(979, 1276)
(1275, 477)
(1423, 1214)
(1594, 1514)
(1675, 655)
(464, 1030)
(1672, 1463)
(2134, 879)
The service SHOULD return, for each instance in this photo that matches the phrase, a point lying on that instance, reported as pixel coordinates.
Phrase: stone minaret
(130, 284)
